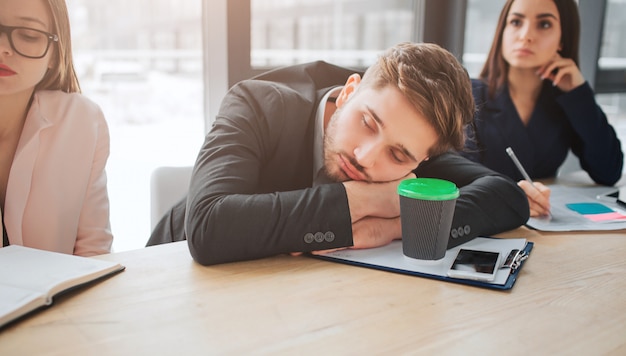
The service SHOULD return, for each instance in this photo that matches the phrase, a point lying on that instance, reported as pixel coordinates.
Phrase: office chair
(167, 186)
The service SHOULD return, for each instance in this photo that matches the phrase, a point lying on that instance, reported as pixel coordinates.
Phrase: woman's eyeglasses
(29, 42)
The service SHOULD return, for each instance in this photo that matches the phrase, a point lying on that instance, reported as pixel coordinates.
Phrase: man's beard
(330, 155)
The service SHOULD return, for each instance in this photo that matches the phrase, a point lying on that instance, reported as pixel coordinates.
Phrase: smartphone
(617, 196)
(475, 264)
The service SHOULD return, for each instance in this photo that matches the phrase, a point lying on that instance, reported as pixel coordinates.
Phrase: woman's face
(532, 34)
(19, 74)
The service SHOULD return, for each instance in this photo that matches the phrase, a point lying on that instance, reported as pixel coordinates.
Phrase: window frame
(227, 45)
(226, 26)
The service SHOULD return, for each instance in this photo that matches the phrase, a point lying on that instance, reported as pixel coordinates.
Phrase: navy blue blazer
(251, 193)
(560, 122)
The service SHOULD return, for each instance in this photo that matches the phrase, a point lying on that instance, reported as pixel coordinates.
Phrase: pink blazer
(56, 196)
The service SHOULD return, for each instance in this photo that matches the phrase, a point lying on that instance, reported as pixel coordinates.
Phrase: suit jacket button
(454, 233)
(329, 236)
(308, 237)
(461, 232)
(467, 229)
(319, 236)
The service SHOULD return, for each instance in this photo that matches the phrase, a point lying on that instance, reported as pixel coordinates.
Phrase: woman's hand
(563, 73)
(538, 197)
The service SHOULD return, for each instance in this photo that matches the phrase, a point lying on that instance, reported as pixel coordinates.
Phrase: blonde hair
(434, 82)
(61, 75)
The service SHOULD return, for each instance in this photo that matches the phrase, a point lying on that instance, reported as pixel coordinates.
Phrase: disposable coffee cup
(426, 210)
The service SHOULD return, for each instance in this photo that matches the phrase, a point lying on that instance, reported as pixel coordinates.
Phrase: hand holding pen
(537, 193)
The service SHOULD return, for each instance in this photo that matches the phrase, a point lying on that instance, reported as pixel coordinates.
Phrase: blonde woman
(54, 142)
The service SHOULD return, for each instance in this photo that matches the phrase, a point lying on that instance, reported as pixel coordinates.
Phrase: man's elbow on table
(202, 252)
(202, 244)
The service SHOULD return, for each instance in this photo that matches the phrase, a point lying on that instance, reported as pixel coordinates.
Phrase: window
(482, 16)
(344, 32)
(611, 75)
(148, 64)
(141, 61)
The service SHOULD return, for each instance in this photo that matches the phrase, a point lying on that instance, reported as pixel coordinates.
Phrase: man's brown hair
(434, 82)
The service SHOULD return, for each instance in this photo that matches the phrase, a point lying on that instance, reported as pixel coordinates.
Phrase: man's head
(412, 104)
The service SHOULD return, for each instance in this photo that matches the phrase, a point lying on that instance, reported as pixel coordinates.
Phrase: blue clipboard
(391, 259)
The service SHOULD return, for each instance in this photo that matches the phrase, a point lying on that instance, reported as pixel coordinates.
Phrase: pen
(518, 164)
(614, 197)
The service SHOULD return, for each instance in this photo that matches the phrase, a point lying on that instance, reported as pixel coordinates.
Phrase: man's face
(375, 136)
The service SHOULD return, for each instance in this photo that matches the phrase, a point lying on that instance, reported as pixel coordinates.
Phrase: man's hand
(538, 197)
(371, 232)
(375, 232)
(374, 199)
(375, 213)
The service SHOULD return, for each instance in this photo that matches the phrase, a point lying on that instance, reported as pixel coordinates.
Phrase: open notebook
(390, 258)
(31, 278)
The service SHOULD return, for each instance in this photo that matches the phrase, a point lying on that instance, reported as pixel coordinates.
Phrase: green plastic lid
(428, 189)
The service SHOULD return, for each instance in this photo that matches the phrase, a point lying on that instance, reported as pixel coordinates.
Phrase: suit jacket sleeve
(489, 202)
(242, 203)
(596, 143)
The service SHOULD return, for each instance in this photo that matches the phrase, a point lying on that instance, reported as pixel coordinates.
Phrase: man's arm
(250, 194)
(489, 203)
(374, 199)
(375, 212)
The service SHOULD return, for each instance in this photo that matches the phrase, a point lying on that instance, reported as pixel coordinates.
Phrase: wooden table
(570, 298)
